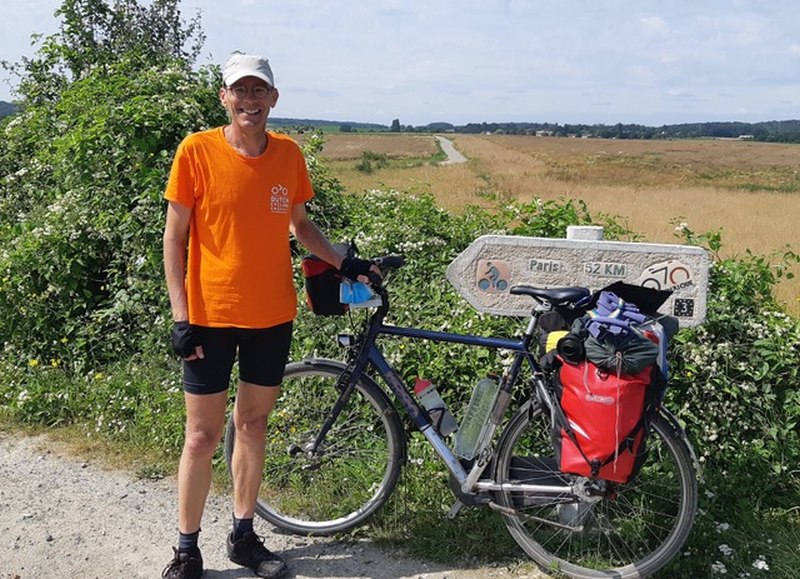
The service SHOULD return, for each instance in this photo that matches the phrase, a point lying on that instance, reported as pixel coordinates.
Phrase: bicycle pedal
(451, 514)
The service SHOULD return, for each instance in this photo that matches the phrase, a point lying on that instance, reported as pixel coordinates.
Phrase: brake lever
(389, 261)
(386, 263)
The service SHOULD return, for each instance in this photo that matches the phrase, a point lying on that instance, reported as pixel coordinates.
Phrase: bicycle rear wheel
(354, 470)
(631, 532)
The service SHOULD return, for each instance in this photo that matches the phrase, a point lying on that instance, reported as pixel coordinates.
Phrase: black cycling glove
(352, 267)
(183, 339)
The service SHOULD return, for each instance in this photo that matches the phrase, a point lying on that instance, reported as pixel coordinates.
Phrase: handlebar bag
(322, 281)
(601, 422)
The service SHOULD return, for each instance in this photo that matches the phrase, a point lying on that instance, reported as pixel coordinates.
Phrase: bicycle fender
(681, 434)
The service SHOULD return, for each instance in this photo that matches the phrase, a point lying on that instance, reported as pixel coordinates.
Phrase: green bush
(551, 218)
(371, 161)
(82, 212)
(734, 384)
(736, 377)
(83, 169)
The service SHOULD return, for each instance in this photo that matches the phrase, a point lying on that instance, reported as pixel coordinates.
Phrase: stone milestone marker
(485, 271)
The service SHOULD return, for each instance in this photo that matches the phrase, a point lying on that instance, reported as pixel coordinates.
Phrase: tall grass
(747, 190)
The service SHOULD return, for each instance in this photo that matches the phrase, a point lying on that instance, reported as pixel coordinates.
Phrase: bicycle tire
(358, 468)
(633, 534)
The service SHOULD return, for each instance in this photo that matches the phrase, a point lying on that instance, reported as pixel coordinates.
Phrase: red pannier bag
(602, 427)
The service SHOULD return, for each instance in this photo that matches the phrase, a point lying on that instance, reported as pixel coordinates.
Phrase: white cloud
(679, 93)
(475, 60)
(655, 26)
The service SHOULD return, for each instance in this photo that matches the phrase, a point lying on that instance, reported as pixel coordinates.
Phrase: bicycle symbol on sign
(670, 275)
(494, 277)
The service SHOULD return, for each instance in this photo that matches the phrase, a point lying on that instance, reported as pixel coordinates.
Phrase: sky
(460, 61)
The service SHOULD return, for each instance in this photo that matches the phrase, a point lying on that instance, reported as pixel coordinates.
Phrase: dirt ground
(67, 517)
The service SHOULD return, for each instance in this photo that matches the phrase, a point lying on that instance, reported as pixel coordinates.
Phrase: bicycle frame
(413, 408)
(370, 355)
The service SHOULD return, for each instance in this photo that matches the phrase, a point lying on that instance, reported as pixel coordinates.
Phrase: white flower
(722, 527)
(717, 567)
(725, 550)
(761, 564)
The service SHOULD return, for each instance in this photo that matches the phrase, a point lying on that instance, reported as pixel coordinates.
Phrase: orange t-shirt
(239, 268)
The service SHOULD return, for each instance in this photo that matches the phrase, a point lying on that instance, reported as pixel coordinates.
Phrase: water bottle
(475, 424)
(440, 416)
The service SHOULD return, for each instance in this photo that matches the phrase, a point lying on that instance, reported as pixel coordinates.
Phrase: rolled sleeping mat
(571, 349)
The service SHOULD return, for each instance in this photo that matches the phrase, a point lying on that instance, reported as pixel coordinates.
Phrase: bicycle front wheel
(353, 471)
(631, 532)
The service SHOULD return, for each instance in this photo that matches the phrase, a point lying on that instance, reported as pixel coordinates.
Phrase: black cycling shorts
(262, 354)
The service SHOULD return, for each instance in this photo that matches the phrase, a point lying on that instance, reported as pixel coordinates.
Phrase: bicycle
(335, 459)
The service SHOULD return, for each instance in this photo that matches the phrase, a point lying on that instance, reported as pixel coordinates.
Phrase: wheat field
(748, 190)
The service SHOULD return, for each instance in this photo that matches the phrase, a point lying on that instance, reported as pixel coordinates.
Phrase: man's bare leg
(205, 419)
(253, 405)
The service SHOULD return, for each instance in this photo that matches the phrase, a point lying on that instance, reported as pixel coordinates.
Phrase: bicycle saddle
(559, 296)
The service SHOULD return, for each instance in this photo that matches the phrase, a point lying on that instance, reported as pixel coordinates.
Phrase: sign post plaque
(485, 271)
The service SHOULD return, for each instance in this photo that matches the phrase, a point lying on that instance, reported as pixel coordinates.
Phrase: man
(235, 193)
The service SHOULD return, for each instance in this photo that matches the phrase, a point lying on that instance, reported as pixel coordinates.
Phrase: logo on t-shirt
(279, 203)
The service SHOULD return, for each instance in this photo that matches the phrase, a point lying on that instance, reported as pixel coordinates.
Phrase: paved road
(453, 156)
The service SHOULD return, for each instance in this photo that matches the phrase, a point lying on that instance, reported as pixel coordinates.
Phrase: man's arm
(312, 238)
(176, 232)
(315, 241)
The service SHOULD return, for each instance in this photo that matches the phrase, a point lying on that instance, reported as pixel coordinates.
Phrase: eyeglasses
(258, 92)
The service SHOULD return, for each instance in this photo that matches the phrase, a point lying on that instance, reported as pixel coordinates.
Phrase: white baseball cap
(241, 65)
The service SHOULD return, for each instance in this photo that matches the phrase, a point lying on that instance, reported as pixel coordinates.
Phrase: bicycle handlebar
(385, 262)
(390, 261)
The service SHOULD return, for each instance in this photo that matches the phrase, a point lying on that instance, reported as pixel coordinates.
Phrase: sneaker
(249, 551)
(183, 566)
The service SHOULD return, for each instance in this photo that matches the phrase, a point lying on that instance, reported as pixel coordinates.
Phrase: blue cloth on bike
(355, 292)
(612, 317)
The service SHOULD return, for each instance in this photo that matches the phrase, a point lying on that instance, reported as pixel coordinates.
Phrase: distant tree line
(307, 125)
(775, 131)
(769, 131)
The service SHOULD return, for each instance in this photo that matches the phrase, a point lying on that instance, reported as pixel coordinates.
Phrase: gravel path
(65, 517)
